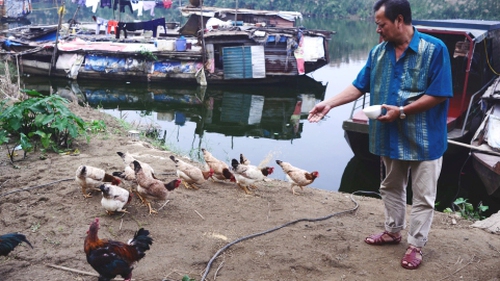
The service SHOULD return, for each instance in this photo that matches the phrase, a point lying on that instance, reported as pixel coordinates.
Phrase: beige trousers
(424, 175)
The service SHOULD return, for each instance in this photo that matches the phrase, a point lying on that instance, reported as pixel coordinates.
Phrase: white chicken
(89, 177)
(114, 198)
(297, 176)
(246, 175)
(128, 172)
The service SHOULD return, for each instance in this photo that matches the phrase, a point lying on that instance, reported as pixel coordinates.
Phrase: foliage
(187, 278)
(39, 121)
(147, 54)
(466, 209)
(96, 126)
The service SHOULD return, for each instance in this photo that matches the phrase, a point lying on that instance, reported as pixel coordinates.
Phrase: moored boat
(486, 141)
(474, 48)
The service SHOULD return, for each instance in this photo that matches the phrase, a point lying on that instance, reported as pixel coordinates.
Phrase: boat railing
(360, 103)
(467, 118)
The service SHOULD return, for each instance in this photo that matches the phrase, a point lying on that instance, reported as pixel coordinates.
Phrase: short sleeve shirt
(423, 69)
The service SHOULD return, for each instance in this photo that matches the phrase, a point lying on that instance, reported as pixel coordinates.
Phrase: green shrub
(466, 209)
(39, 121)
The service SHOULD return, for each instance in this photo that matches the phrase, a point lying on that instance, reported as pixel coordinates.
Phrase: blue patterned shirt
(423, 68)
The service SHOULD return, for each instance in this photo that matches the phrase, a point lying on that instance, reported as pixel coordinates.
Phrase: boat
(474, 48)
(485, 144)
(215, 45)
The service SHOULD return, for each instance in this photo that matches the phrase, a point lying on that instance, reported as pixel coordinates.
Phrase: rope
(352, 210)
(488, 60)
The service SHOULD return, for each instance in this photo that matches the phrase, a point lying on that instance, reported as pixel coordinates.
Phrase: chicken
(247, 175)
(128, 172)
(114, 198)
(191, 174)
(297, 176)
(220, 169)
(150, 188)
(111, 258)
(9, 241)
(91, 177)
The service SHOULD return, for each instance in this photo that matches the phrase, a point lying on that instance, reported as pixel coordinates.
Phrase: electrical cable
(352, 210)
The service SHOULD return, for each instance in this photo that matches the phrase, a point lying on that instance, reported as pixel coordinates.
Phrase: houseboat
(215, 45)
(474, 48)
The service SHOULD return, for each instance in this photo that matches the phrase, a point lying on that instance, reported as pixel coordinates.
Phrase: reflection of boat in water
(260, 111)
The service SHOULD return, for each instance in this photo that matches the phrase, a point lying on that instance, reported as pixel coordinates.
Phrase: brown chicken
(149, 188)
(190, 174)
(297, 176)
(220, 168)
(92, 178)
(247, 175)
(111, 258)
(128, 172)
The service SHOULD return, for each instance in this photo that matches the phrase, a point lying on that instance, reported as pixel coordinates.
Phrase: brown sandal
(378, 240)
(412, 262)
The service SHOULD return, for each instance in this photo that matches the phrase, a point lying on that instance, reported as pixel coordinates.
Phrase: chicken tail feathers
(9, 241)
(142, 241)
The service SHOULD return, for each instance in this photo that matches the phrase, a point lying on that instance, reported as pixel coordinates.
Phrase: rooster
(111, 258)
(191, 174)
(91, 177)
(297, 176)
(247, 175)
(114, 198)
(220, 168)
(149, 188)
(9, 241)
(128, 172)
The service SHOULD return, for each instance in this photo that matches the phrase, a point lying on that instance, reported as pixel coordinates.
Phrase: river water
(263, 123)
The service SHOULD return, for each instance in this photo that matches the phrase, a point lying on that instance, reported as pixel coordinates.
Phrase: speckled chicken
(297, 176)
(190, 174)
(89, 177)
(114, 198)
(220, 168)
(152, 189)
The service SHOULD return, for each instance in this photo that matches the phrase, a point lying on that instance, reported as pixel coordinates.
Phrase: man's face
(387, 29)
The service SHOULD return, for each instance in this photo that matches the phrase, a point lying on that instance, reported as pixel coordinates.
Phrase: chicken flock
(112, 258)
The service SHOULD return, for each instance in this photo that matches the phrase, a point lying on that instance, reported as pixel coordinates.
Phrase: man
(410, 75)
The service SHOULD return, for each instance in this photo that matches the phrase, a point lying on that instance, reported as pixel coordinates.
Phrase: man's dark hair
(393, 8)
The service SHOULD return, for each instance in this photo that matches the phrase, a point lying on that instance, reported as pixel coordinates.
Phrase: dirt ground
(195, 224)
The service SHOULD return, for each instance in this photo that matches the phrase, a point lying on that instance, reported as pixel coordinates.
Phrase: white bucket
(165, 45)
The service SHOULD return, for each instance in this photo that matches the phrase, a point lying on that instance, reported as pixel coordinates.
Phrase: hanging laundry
(99, 22)
(137, 6)
(167, 4)
(149, 5)
(93, 4)
(112, 26)
(143, 25)
(106, 3)
(122, 3)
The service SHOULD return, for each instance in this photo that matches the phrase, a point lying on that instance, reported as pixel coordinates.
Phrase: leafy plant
(96, 126)
(147, 54)
(39, 121)
(187, 278)
(467, 211)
